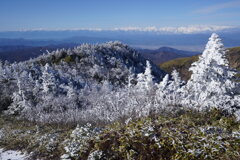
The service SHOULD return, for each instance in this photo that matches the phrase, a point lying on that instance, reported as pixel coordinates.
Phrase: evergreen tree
(174, 88)
(20, 103)
(162, 93)
(211, 80)
(149, 77)
(145, 80)
(49, 81)
(163, 84)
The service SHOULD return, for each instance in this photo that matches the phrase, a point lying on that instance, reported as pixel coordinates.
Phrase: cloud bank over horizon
(192, 29)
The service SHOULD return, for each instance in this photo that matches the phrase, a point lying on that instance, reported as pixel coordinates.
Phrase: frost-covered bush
(186, 135)
(95, 155)
(78, 141)
(48, 141)
(192, 135)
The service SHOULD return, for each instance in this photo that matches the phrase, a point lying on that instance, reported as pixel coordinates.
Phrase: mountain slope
(164, 54)
(234, 57)
(183, 64)
(112, 61)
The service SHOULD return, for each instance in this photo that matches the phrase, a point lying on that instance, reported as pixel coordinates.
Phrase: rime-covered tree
(144, 92)
(211, 80)
(49, 80)
(175, 88)
(164, 83)
(20, 103)
(145, 80)
(149, 77)
(162, 92)
(71, 91)
(169, 90)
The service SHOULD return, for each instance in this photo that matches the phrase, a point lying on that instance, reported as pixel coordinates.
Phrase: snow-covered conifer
(20, 103)
(176, 82)
(211, 77)
(149, 77)
(164, 82)
(71, 91)
(145, 80)
(48, 79)
(175, 88)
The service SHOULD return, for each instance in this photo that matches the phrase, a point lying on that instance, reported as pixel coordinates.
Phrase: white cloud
(161, 30)
(196, 29)
(184, 30)
(72, 29)
(217, 7)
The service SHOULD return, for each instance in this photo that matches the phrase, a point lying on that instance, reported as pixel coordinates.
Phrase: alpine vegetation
(71, 85)
(105, 101)
(106, 82)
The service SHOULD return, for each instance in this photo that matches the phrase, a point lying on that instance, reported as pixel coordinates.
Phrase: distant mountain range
(21, 53)
(135, 38)
(164, 54)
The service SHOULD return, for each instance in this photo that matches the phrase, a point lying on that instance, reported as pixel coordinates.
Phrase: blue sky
(107, 14)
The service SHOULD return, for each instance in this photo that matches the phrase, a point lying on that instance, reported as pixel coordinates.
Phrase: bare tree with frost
(169, 92)
(145, 80)
(174, 87)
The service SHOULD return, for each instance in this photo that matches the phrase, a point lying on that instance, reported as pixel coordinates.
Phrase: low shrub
(185, 135)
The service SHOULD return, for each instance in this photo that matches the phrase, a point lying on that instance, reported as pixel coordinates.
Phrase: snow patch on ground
(12, 155)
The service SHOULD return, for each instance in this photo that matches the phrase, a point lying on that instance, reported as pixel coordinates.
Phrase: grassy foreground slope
(183, 64)
(185, 135)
